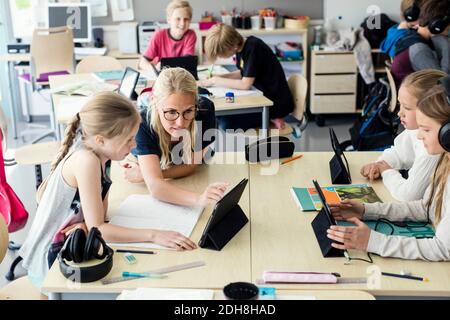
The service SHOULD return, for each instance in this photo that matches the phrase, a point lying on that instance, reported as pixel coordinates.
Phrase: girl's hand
(68, 230)
(207, 82)
(371, 171)
(382, 166)
(213, 193)
(174, 240)
(350, 237)
(132, 173)
(347, 209)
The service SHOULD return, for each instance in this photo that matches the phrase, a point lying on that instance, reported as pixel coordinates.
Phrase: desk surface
(288, 242)
(246, 102)
(229, 265)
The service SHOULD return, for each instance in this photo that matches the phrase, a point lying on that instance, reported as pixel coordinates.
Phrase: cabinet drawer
(345, 83)
(333, 104)
(334, 63)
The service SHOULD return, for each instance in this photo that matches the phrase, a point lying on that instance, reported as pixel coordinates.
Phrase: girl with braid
(75, 194)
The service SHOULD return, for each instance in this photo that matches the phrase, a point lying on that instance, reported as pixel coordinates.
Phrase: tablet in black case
(225, 221)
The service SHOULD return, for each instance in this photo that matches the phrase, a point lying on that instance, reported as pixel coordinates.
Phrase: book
(84, 88)
(115, 77)
(308, 200)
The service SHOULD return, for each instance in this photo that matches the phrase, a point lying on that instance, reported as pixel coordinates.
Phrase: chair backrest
(393, 102)
(299, 89)
(98, 64)
(4, 238)
(52, 50)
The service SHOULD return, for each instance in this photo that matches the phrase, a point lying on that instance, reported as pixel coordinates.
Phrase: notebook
(84, 88)
(307, 199)
(146, 212)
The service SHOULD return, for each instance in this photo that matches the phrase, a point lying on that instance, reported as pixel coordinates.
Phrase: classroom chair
(22, 288)
(98, 64)
(51, 54)
(36, 155)
(393, 102)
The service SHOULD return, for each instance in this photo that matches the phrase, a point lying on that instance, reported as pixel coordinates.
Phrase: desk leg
(265, 122)
(55, 127)
(12, 97)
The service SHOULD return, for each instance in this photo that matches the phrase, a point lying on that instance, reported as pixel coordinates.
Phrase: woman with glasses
(171, 140)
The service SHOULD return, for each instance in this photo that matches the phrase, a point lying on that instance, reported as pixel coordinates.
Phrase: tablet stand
(320, 225)
(217, 237)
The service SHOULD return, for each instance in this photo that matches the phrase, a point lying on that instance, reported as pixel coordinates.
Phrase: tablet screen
(128, 83)
(339, 153)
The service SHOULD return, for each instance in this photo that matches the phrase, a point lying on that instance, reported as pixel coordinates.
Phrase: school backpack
(376, 127)
(11, 208)
(376, 28)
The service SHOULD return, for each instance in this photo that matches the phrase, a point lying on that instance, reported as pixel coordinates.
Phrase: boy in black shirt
(258, 66)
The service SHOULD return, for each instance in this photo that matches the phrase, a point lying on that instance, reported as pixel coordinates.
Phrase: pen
(135, 251)
(404, 276)
(292, 159)
(127, 274)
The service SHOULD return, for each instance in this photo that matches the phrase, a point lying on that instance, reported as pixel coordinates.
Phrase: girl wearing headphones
(76, 191)
(433, 117)
(429, 46)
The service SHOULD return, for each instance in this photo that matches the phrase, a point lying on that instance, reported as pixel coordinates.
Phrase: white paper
(122, 10)
(219, 92)
(166, 294)
(99, 8)
(145, 212)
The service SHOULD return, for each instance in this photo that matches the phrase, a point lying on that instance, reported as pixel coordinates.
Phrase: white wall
(353, 12)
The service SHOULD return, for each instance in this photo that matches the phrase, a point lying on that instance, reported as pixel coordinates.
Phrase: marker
(292, 159)
(135, 251)
(404, 276)
(127, 274)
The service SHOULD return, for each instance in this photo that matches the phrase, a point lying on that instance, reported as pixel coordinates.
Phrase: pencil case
(268, 149)
(298, 277)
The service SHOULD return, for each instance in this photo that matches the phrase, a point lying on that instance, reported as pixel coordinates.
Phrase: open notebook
(145, 212)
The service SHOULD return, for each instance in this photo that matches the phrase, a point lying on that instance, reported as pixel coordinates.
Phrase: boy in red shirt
(177, 41)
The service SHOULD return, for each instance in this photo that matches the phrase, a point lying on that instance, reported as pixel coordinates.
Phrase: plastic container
(229, 97)
(270, 23)
(256, 22)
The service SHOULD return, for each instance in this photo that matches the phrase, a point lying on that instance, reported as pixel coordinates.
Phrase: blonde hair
(222, 40)
(108, 114)
(419, 82)
(178, 4)
(435, 106)
(171, 81)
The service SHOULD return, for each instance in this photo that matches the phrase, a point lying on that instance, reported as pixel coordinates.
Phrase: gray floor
(313, 138)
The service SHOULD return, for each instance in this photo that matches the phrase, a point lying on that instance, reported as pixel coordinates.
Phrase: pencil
(135, 251)
(292, 159)
(404, 276)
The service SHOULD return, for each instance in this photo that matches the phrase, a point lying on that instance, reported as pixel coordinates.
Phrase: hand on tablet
(213, 193)
(350, 237)
(172, 239)
(347, 209)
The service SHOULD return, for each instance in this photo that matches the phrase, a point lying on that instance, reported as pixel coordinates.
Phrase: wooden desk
(231, 264)
(247, 104)
(288, 242)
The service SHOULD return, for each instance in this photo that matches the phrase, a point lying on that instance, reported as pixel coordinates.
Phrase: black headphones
(412, 13)
(444, 132)
(437, 25)
(79, 249)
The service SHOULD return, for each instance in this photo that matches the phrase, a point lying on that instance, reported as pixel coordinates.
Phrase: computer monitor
(76, 16)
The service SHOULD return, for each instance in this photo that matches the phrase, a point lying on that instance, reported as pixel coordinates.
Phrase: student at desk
(75, 194)
(170, 144)
(433, 117)
(258, 66)
(176, 41)
(408, 152)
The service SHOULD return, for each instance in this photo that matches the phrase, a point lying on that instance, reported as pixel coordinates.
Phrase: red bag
(11, 208)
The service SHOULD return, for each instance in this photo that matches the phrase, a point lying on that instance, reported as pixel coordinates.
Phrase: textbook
(115, 76)
(308, 200)
(84, 88)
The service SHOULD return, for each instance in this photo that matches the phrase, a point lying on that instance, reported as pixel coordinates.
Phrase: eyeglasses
(173, 115)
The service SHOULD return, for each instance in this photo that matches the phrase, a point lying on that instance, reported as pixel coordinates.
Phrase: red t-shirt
(162, 45)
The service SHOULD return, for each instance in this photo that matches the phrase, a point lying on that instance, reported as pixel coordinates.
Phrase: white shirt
(408, 153)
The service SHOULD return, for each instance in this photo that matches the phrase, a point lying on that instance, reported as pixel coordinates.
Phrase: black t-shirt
(256, 60)
(147, 140)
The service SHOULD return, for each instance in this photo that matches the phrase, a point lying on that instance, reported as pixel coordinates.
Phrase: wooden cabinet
(333, 82)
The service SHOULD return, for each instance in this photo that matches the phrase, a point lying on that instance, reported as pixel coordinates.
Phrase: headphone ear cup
(444, 136)
(92, 245)
(437, 26)
(412, 13)
(77, 245)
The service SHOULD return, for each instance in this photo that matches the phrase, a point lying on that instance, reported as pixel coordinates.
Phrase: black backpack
(376, 34)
